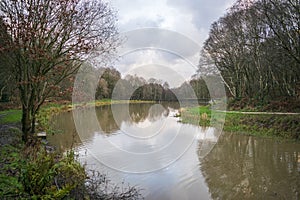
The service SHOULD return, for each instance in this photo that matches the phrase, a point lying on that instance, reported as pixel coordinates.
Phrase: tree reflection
(108, 122)
(245, 167)
(106, 119)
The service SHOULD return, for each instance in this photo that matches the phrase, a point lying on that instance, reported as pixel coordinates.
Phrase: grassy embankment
(30, 171)
(267, 125)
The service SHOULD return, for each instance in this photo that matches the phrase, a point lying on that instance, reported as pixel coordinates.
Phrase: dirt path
(9, 134)
(3, 115)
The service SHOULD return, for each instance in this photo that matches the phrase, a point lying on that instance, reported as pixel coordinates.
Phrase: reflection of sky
(148, 139)
(181, 179)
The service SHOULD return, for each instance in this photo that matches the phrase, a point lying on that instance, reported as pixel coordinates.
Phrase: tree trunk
(25, 123)
(33, 120)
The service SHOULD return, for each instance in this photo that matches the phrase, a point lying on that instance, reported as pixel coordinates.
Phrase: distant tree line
(133, 87)
(256, 48)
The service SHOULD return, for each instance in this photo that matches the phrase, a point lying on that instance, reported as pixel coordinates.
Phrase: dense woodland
(256, 48)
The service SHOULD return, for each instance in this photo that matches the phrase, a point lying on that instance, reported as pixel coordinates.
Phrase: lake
(144, 145)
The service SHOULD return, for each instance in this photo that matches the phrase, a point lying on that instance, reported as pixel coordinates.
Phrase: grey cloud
(161, 39)
(191, 17)
(141, 23)
(155, 55)
(160, 72)
(159, 46)
(203, 12)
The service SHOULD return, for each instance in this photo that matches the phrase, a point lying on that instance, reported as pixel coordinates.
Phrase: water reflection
(234, 167)
(140, 115)
(245, 167)
(182, 179)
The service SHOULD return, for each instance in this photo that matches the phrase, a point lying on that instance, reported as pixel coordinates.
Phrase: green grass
(265, 125)
(10, 116)
(199, 110)
(196, 115)
(283, 126)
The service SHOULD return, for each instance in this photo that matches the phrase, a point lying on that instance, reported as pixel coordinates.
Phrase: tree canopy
(47, 41)
(256, 47)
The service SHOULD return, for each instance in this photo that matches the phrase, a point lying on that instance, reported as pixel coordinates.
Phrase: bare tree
(256, 48)
(48, 40)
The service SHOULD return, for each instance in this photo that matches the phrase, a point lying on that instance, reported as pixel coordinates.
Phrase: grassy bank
(10, 116)
(268, 125)
(282, 104)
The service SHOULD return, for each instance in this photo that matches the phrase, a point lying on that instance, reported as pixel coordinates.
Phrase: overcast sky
(170, 51)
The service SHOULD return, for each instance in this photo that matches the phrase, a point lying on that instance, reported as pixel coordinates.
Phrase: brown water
(145, 146)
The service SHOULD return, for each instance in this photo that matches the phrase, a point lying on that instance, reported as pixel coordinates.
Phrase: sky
(163, 38)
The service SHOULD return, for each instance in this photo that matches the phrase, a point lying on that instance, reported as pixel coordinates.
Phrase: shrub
(32, 172)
